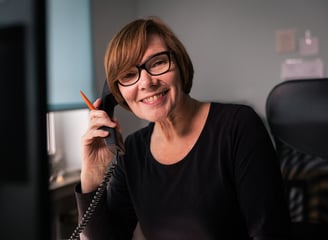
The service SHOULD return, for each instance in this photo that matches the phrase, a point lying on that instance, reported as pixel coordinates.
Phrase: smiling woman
(196, 171)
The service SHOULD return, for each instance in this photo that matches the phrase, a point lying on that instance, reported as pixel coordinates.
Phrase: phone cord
(95, 201)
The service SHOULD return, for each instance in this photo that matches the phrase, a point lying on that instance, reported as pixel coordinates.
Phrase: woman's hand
(95, 153)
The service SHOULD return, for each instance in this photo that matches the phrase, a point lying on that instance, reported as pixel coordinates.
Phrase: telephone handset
(114, 140)
(115, 143)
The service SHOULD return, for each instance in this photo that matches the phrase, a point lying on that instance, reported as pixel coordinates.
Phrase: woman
(199, 170)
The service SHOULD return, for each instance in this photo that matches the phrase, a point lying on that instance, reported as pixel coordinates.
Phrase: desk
(63, 205)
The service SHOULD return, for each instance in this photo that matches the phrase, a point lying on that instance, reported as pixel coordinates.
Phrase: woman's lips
(154, 98)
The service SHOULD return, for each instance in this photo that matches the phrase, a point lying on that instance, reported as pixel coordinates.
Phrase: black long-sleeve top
(228, 186)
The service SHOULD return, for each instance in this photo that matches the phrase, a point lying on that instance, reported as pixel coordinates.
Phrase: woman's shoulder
(231, 109)
(235, 116)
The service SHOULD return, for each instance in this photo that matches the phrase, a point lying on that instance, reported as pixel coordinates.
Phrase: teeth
(153, 98)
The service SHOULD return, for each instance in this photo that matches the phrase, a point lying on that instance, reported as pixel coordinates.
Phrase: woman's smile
(155, 98)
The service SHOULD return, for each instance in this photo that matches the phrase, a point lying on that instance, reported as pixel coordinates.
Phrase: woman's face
(154, 98)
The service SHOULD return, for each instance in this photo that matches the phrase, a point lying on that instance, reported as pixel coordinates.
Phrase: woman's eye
(129, 75)
(158, 62)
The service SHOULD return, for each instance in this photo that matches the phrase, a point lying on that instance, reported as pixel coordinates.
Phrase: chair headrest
(297, 114)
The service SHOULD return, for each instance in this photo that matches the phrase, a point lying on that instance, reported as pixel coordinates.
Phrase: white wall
(69, 127)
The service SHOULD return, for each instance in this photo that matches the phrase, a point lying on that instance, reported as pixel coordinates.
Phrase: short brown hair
(127, 47)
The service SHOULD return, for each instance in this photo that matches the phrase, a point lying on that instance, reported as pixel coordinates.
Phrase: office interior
(238, 50)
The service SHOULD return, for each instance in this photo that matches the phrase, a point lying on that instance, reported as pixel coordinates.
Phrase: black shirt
(227, 187)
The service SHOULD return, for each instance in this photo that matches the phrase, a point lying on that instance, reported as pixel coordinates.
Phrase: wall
(69, 53)
(69, 127)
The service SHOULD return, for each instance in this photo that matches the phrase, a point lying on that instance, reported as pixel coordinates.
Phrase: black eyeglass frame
(143, 66)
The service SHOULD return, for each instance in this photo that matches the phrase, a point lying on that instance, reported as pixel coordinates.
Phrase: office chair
(297, 115)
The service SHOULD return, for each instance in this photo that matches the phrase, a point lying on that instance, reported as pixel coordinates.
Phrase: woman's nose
(146, 80)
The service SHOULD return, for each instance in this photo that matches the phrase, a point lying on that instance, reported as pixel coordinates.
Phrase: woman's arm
(108, 220)
(258, 179)
(98, 227)
(114, 217)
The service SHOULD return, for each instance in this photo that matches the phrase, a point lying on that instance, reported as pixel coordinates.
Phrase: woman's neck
(181, 121)
(174, 138)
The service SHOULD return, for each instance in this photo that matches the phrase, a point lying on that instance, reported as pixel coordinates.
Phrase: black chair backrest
(297, 113)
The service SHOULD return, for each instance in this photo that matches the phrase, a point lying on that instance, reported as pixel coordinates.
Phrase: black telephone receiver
(115, 143)
(114, 140)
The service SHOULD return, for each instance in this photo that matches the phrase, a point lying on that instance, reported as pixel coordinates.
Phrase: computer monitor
(24, 161)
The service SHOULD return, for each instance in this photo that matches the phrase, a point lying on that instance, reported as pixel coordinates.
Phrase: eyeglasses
(158, 64)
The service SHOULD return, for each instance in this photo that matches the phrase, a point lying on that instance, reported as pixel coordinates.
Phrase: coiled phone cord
(95, 201)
